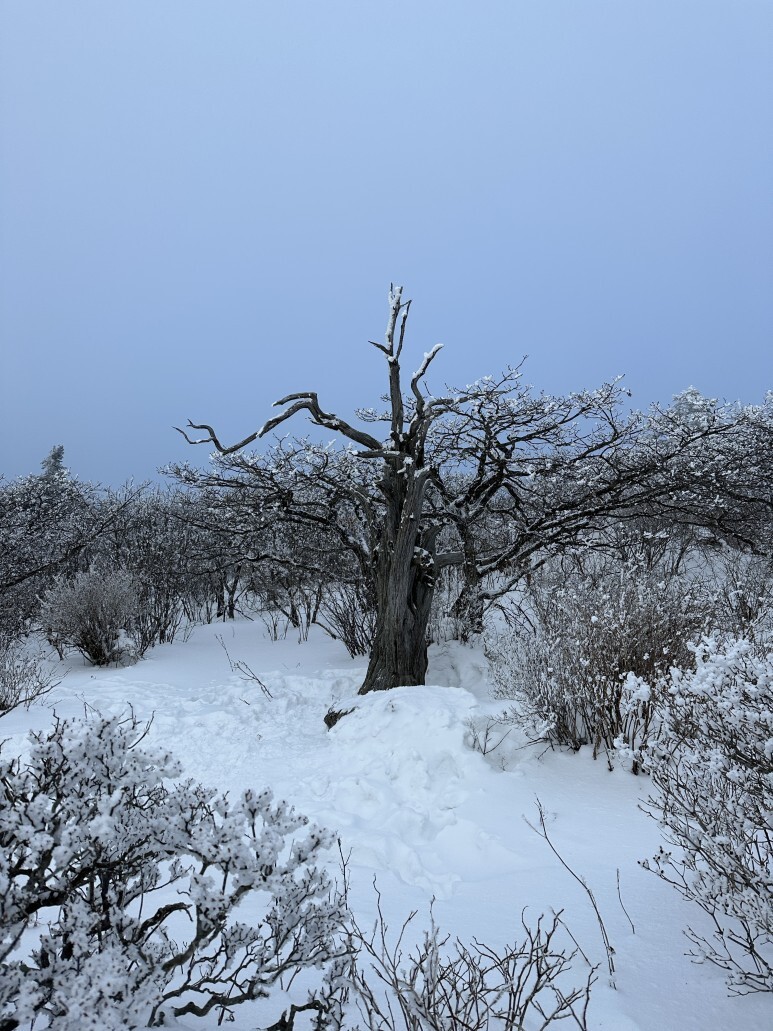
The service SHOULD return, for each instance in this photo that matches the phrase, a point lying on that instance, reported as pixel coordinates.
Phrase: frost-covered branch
(100, 831)
(714, 774)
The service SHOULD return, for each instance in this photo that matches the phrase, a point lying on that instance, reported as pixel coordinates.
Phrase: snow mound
(404, 773)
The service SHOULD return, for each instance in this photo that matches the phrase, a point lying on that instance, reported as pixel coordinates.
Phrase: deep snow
(422, 811)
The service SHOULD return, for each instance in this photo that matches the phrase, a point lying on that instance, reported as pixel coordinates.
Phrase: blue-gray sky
(202, 205)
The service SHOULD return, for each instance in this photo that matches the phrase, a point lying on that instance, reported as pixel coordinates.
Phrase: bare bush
(158, 617)
(450, 986)
(301, 605)
(744, 597)
(714, 774)
(93, 613)
(287, 598)
(347, 613)
(485, 734)
(23, 676)
(276, 623)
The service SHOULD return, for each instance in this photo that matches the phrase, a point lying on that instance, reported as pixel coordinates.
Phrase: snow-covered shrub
(641, 720)
(48, 526)
(94, 612)
(285, 598)
(23, 676)
(595, 636)
(458, 987)
(714, 773)
(119, 887)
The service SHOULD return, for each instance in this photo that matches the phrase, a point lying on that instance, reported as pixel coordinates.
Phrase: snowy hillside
(421, 810)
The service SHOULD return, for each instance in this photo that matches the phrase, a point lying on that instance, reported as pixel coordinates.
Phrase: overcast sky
(202, 205)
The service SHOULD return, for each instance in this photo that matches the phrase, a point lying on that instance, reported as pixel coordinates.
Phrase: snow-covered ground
(423, 811)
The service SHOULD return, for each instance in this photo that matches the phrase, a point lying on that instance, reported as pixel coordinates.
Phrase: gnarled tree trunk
(405, 584)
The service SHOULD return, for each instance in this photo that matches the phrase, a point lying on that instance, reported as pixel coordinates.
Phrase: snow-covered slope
(422, 811)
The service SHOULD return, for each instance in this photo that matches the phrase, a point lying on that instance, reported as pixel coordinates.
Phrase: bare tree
(405, 560)
(492, 478)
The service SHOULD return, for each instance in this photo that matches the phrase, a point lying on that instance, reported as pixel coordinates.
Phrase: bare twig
(244, 671)
(620, 897)
(543, 833)
(444, 984)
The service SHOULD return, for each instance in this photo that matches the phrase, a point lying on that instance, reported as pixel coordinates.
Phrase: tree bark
(399, 653)
(405, 584)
